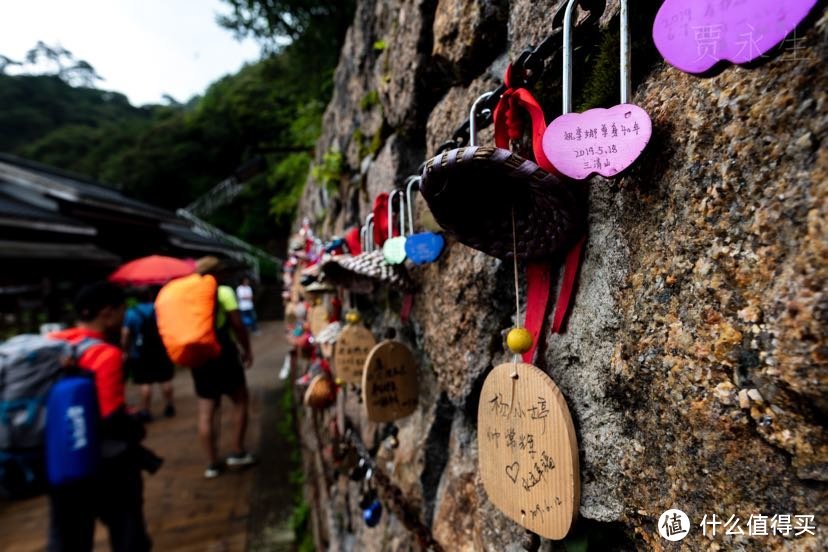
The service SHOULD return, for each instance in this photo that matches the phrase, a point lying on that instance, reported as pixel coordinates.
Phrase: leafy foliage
(171, 154)
(329, 172)
(275, 23)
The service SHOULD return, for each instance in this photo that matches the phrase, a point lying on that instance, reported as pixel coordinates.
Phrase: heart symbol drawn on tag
(424, 248)
(515, 467)
(694, 36)
(602, 141)
(393, 250)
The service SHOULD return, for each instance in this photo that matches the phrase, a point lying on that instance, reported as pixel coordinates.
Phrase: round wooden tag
(389, 384)
(321, 392)
(318, 319)
(528, 449)
(351, 351)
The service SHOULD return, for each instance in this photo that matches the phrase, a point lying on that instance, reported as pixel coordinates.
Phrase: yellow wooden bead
(353, 317)
(519, 340)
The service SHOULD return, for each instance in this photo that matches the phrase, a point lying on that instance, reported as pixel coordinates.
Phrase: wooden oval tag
(321, 392)
(389, 384)
(318, 319)
(351, 351)
(528, 449)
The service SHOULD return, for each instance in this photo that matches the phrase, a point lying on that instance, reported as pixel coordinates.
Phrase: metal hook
(391, 197)
(369, 233)
(363, 232)
(409, 183)
(473, 118)
(626, 55)
(402, 213)
(567, 57)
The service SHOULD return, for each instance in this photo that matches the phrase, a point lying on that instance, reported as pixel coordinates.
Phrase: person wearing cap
(224, 375)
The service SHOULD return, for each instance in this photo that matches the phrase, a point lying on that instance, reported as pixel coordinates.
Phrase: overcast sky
(142, 48)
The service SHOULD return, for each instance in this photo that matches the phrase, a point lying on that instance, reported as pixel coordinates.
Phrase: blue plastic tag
(424, 248)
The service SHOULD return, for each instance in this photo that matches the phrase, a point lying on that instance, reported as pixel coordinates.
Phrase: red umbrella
(155, 269)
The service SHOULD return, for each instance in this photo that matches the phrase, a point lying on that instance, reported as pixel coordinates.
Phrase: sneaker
(169, 411)
(241, 459)
(212, 471)
(144, 416)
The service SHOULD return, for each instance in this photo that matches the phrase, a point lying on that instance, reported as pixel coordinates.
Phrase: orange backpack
(186, 310)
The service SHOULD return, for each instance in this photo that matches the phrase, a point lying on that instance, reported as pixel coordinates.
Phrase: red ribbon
(407, 304)
(572, 265)
(538, 287)
(508, 126)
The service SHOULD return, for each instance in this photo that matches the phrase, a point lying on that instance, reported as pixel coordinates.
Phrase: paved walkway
(184, 511)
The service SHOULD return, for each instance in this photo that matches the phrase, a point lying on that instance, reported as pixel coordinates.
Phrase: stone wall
(695, 363)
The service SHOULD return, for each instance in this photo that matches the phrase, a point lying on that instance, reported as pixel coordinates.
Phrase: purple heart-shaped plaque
(695, 35)
(602, 141)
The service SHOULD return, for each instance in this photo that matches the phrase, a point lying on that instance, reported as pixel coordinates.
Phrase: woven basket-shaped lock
(472, 192)
(364, 271)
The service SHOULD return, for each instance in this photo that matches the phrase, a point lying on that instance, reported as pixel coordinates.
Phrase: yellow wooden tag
(528, 449)
(389, 383)
(351, 351)
(318, 319)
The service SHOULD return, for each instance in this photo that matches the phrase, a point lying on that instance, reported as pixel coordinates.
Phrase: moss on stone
(330, 171)
(602, 85)
(369, 100)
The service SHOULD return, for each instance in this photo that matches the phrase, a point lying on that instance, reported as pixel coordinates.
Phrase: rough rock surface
(695, 362)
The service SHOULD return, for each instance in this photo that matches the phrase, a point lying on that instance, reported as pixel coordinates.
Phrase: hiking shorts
(221, 376)
(145, 372)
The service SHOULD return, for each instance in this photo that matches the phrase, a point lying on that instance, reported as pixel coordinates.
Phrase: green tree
(275, 23)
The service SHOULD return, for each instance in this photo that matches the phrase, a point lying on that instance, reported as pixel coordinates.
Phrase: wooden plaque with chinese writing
(389, 384)
(318, 319)
(351, 351)
(528, 450)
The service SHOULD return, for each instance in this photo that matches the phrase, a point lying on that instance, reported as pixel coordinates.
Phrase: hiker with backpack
(198, 320)
(147, 361)
(113, 493)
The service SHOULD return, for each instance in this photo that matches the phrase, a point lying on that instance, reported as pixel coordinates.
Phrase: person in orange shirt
(115, 494)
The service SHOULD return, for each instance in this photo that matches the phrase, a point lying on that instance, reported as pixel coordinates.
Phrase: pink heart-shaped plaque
(598, 141)
(694, 36)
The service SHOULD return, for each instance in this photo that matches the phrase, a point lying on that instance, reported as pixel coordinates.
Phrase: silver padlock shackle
(402, 213)
(408, 184)
(391, 197)
(473, 118)
(368, 242)
(626, 55)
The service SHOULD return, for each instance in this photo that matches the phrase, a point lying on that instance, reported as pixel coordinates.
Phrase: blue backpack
(48, 415)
